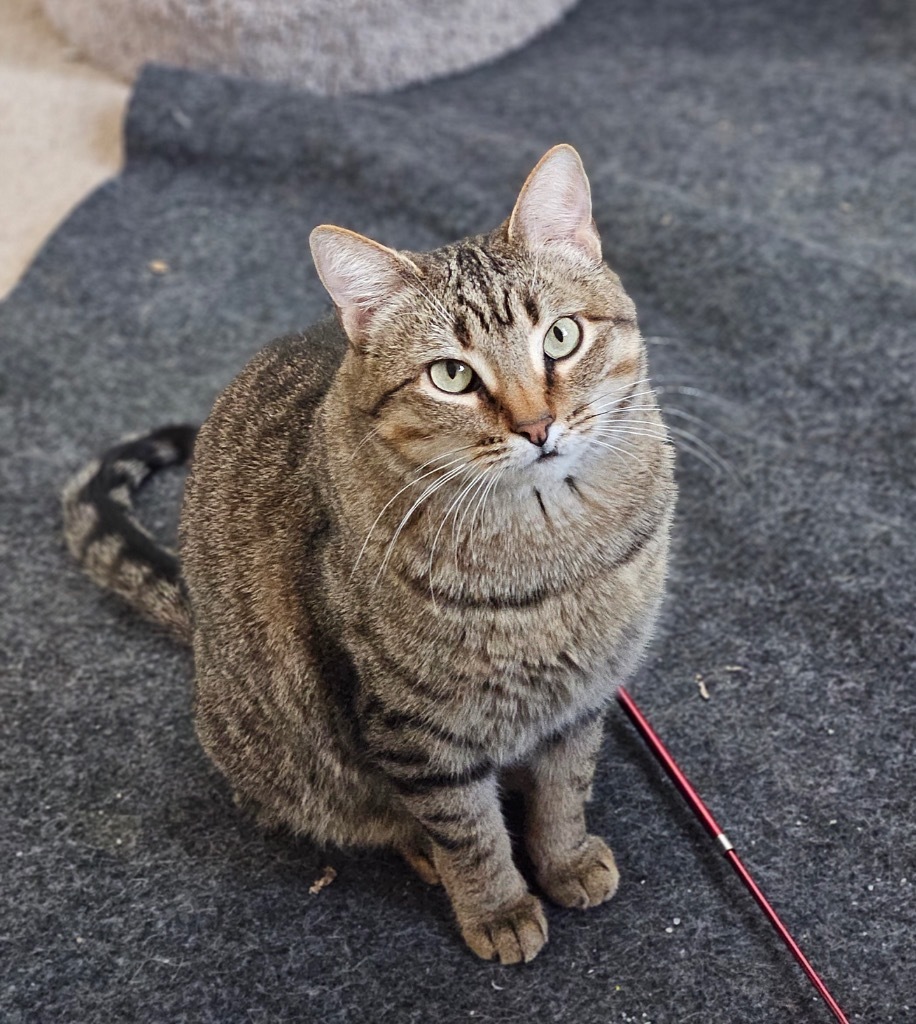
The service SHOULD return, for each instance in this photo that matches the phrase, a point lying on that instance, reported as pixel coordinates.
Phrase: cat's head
(513, 348)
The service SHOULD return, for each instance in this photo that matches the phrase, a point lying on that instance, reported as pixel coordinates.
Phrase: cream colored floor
(60, 132)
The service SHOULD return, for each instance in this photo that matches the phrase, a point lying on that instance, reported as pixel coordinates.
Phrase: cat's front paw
(587, 877)
(512, 934)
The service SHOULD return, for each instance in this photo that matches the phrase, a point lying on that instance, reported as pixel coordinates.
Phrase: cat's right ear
(360, 275)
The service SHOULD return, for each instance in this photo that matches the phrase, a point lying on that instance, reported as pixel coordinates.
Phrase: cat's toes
(512, 934)
(587, 877)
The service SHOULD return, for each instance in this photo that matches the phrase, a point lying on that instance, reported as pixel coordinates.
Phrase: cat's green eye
(563, 338)
(451, 376)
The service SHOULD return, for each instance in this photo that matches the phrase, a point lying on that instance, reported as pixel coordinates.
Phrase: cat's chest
(511, 674)
(516, 635)
(512, 712)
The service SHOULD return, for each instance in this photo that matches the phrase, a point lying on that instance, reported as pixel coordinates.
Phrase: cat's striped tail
(106, 539)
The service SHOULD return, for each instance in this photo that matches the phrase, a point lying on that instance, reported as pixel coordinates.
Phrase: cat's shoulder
(312, 354)
(288, 376)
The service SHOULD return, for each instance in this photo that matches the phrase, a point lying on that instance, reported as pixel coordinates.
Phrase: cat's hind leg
(420, 857)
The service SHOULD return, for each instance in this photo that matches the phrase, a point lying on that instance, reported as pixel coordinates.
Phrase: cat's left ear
(361, 276)
(555, 206)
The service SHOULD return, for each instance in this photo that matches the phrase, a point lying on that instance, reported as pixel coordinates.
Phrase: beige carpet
(60, 132)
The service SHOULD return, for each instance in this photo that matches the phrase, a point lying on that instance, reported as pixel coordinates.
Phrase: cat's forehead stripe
(474, 307)
(462, 331)
(482, 285)
(508, 318)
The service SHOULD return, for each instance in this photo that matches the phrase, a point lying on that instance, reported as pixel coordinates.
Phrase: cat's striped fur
(404, 599)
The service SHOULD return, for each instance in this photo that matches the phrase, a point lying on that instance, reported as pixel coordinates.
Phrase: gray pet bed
(327, 46)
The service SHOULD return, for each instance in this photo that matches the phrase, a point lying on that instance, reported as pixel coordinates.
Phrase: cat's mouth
(552, 454)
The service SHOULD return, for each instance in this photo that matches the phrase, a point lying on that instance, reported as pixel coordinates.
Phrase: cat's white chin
(554, 461)
(540, 459)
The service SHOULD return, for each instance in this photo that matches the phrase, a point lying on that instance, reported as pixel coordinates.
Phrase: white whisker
(661, 339)
(407, 486)
(693, 392)
(723, 464)
(482, 500)
(625, 409)
(535, 267)
(616, 429)
(452, 507)
(458, 522)
(355, 451)
(611, 447)
(437, 304)
(430, 490)
(690, 443)
(670, 410)
(619, 402)
(618, 389)
(617, 407)
(481, 505)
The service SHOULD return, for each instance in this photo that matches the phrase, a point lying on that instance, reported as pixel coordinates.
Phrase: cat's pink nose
(535, 430)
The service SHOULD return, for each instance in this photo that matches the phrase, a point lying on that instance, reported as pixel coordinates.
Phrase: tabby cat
(421, 544)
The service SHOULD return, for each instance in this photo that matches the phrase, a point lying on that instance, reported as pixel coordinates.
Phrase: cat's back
(276, 393)
(251, 491)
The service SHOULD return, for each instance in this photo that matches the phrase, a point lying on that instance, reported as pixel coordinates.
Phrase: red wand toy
(712, 827)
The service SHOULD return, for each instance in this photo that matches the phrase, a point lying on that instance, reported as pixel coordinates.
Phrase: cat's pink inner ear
(360, 275)
(555, 206)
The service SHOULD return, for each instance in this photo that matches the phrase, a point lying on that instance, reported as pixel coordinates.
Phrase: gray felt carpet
(754, 173)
